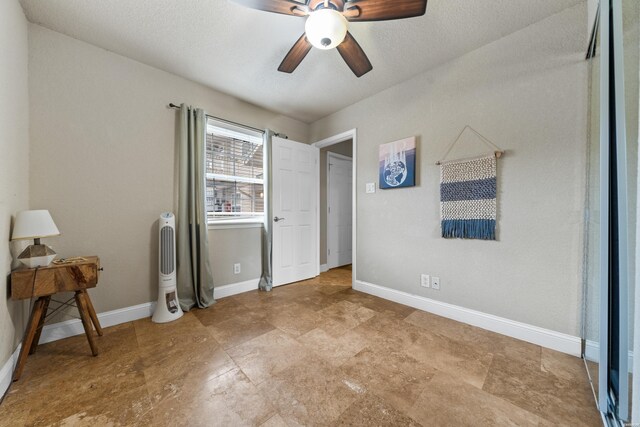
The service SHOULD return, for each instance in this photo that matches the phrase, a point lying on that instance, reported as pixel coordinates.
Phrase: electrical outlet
(371, 187)
(236, 268)
(435, 283)
(424, 280)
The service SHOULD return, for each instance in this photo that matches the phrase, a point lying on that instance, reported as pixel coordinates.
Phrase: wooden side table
(42, 283)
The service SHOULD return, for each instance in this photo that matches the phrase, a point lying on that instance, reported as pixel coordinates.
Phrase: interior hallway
(311, 353)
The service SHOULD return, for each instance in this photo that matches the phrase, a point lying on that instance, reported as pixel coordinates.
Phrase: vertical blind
(234, 165)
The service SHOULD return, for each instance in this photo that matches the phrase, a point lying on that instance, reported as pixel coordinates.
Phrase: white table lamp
(35, 225)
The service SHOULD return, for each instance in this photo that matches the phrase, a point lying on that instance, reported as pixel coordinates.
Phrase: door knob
(276, 219)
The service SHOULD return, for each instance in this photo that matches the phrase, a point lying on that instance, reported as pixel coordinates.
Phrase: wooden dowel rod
(497, 154)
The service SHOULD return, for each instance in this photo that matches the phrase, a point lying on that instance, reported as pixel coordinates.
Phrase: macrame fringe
(484, 229)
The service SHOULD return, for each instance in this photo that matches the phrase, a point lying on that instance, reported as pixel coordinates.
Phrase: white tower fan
(168, 307)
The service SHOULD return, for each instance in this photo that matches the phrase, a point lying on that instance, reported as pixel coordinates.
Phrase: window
(234, 166)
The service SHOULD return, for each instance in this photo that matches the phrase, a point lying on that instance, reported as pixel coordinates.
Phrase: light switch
(371, 187)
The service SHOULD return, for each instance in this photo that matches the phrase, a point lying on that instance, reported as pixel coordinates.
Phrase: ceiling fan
(328, 21)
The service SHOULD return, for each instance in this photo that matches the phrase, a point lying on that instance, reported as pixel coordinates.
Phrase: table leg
(92, 313)
(86, 321)
(29, 334)
(36, 337)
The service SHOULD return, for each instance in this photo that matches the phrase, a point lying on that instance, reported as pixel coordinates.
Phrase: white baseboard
(543, 337)
(235, 288)
(592, 353)
(69, 328)
(324, 268)
(6, 373)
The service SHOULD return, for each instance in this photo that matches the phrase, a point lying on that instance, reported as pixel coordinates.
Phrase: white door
(295, 211)
(339, 209)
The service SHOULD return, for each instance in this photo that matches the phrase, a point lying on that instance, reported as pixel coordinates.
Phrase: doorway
(337, 206)
(337, 229)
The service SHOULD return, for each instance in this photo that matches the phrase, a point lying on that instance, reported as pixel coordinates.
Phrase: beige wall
(14, 161)
(230, 246)
(346, 149)
(103, 144)
(528, 93)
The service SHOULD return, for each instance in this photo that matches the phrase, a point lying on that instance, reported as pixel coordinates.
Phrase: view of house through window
(235, 180)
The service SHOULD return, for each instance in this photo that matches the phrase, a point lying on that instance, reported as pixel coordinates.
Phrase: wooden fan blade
(354, 56)
(295, 56)
(383, 10)
(285, 7)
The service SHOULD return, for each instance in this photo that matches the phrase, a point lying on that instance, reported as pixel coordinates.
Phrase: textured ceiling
(237, 50)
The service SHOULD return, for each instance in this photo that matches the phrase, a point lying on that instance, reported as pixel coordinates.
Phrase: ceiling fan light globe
(326, 28)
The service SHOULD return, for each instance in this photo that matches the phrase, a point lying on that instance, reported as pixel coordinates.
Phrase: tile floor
(312, 353)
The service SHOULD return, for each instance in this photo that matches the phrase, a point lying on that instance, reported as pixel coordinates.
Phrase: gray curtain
(195, 281)
(266, 281)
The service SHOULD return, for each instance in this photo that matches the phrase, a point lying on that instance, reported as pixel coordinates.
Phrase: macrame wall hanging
(468, 190)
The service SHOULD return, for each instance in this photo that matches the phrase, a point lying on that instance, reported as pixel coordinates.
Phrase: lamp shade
(326, 28)
(34, 225)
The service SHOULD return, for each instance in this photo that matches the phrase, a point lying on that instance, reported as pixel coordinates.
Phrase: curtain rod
(177, 107)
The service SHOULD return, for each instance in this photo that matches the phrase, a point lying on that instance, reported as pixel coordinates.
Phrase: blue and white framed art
(397, 167)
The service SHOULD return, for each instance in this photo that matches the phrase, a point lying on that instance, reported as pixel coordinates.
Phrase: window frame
(244, 133)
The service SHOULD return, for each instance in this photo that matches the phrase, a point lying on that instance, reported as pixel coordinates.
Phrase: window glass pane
(233, 199)
(234, 157)
(234, 174)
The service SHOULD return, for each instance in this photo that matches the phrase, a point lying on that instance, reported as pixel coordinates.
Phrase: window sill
(235, 223)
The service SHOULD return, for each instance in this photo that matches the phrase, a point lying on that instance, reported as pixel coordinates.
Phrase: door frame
(339, 157)
(332, 140)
